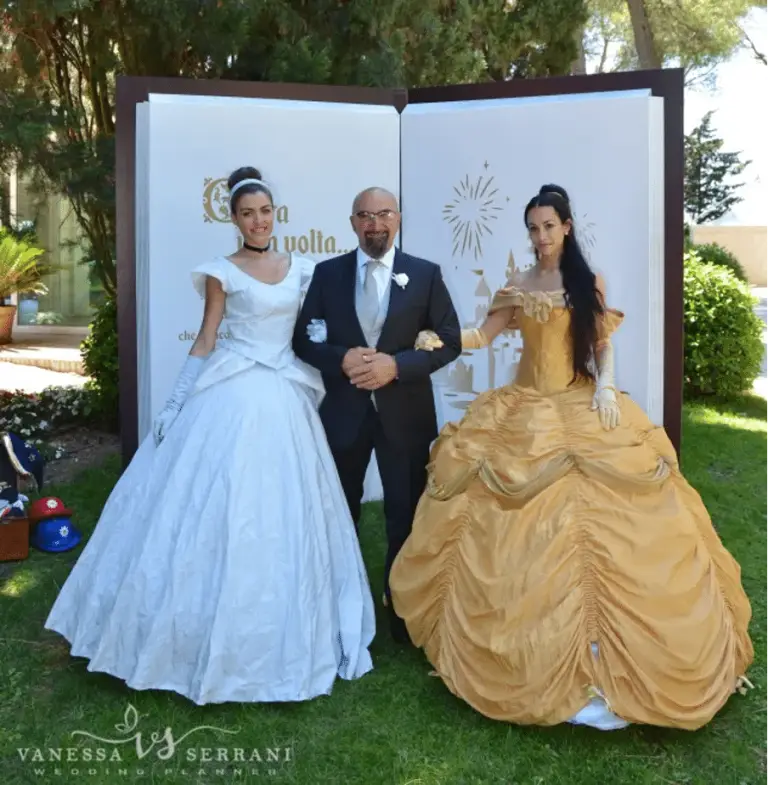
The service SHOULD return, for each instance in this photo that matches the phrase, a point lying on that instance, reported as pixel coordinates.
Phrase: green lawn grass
(398, 725)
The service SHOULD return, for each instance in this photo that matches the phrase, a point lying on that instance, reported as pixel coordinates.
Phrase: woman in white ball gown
(225, 565)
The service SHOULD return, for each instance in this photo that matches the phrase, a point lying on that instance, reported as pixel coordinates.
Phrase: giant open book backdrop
(463, 161)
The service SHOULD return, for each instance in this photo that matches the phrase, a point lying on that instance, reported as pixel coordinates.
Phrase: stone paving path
(30, 379)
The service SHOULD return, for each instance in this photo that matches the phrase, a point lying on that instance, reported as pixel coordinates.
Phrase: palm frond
(22, 268)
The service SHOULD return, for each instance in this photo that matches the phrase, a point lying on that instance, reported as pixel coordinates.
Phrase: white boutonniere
(401, 279)
(317, 332)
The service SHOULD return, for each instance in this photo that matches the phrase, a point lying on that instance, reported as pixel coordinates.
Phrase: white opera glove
(605, 400)
(187, 377)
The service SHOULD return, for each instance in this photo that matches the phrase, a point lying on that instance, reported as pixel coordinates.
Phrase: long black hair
(581, 295)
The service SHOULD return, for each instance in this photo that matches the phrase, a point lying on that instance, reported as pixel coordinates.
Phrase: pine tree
(710, 192)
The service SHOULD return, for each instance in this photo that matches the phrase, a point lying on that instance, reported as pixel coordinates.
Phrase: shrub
(723, 335)
(713, 253)
(37, 417)
(101, 363)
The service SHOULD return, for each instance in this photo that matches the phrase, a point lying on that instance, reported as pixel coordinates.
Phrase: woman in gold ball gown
(560, 567)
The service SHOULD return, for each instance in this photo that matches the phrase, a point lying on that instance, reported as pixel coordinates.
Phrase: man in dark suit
(374, 302)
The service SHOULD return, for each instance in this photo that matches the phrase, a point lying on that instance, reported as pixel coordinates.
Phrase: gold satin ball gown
(554, 565)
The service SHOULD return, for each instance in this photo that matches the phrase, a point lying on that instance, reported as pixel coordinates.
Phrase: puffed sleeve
(306, 269)
(511, 296)
(507, 298)
(607, 324)
(220, 269)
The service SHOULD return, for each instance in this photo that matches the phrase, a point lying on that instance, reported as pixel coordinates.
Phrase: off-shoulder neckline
(550, 295)
(511, 289)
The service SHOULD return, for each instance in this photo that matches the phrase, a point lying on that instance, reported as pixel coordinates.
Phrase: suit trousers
(403, 470)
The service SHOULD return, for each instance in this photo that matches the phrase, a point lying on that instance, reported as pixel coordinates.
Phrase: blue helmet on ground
(55, 535)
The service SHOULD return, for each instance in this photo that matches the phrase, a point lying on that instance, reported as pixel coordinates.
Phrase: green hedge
(101, 363)
(713, 253)
(723, 335)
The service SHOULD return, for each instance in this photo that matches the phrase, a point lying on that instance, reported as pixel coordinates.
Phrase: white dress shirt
(382, 274)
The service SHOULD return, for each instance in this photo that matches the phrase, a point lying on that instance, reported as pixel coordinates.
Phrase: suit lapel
(347, 292)
(396, 297)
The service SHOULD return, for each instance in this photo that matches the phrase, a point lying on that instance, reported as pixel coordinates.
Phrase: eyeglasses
(385, 215)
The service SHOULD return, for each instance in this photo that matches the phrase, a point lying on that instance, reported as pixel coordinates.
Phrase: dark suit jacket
(406, 405)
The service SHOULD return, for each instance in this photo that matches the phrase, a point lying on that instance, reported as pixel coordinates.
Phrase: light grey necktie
(368, 307)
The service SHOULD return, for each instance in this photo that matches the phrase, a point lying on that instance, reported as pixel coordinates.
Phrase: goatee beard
(376, 247)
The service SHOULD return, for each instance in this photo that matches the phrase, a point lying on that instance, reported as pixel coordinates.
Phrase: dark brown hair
(246, 173)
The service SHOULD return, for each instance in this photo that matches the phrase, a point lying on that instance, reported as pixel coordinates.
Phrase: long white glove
(189, 373)
(605, 401)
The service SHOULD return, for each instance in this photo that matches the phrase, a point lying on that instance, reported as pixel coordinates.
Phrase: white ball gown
(225, 565)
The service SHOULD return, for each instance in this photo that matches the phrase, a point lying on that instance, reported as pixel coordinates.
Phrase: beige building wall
(747, 243)
(69, 290)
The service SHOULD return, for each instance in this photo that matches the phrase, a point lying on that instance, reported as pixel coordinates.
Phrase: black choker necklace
(255, 248)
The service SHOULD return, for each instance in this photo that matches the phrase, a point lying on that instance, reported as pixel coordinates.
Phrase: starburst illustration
(471, 212)
(586, 229)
